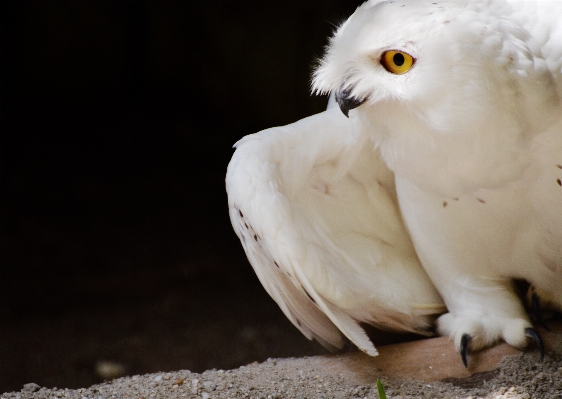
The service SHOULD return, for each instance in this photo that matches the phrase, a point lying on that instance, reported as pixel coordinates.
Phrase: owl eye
(397, 62)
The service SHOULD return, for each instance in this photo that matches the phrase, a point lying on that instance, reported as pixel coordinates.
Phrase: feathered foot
(474, 334)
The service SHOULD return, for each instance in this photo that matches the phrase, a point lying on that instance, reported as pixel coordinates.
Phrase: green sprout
(380, 388)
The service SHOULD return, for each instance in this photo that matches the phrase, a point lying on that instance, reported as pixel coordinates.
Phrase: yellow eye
(397, 62)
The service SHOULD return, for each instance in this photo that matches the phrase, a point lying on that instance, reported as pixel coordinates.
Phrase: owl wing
(315, 209)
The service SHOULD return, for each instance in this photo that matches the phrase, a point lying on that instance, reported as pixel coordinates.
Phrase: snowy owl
(446, 159)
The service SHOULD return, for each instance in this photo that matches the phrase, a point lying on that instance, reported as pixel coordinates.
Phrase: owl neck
(454, 163)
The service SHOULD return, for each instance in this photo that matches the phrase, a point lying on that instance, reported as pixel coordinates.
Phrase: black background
(117, 122)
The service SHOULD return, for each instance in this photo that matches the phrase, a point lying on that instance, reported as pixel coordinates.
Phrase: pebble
(109, 370)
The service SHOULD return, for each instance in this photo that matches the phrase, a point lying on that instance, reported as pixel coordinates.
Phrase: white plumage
(460, 137)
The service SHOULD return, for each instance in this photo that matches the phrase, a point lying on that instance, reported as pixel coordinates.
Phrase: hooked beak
(346, 101)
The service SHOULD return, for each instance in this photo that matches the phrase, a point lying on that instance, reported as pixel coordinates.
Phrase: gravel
(520, 376)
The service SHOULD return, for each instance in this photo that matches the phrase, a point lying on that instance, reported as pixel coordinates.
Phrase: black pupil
(398, 59)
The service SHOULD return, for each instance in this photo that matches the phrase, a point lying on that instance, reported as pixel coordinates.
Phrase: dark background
(117, 122)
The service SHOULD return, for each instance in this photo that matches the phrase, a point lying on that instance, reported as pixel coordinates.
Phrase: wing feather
(315, 208)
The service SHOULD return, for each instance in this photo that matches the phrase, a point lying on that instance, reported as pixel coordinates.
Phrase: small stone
(31, 387)
(109, 370)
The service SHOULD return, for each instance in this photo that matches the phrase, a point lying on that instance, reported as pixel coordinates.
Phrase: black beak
(347, 102)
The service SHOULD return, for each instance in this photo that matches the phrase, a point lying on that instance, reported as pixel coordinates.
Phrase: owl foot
(473, 334)
(529, 332)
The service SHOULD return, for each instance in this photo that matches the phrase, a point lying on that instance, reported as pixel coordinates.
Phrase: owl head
(441, 64)
(460, 83)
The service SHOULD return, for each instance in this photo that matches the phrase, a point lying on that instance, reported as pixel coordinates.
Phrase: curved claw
(532, 333)
(536, 309)
(464, 348)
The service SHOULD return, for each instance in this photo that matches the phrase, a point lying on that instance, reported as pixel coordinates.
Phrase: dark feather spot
(241, 214)
(309, 297)
(559, 166)
(256, 237)
(481, 200)
(245, 224)
(276, 264)
(444, 204)
(559, 182)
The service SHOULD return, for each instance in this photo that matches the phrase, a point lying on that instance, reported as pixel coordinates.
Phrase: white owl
(455, 128)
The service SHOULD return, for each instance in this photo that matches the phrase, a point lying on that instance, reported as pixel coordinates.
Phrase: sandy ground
(423, 369)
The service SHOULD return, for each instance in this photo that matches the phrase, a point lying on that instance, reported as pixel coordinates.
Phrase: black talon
(536, 309)
(532, 333)
(464, 348)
